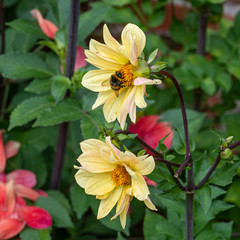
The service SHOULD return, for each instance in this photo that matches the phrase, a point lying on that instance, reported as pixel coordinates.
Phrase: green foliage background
(36, 106)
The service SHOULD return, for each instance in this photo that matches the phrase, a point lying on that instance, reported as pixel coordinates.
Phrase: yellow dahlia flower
(122, 76)
(113, 176)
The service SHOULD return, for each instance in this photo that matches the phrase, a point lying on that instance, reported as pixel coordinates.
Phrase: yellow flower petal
(145, 165)
(93, 162)
(100, 62)
(102, 98)
(139, 96)
(115, 150)
(99, 184)
(133, 33)
(107, 204)
(123, 215)
(145, 81)
(82, 177)
(149, 204)
(134, 53)
(93, 80)
(128, 104)
(113, 105)
(140, 189)
(109, 40)
(92, 144)
(107, 52)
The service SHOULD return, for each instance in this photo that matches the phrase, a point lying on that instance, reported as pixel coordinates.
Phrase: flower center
(126, 75)
(120, 176)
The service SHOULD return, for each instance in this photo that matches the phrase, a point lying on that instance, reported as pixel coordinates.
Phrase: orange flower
(47, 26)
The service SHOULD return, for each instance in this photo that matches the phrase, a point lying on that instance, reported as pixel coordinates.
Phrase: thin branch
(188, 156)
(186, 163)
(216, 162)
(167, 162)
(201, 46)
(175, 179)
(63, 129)
(156, 153)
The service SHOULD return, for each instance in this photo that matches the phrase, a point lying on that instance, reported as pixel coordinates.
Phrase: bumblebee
(116, 82)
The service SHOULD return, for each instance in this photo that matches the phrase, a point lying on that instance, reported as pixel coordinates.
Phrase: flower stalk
(63, 129)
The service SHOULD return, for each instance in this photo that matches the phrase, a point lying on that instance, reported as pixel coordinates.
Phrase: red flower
(24, 180)
(151, 131)
(10, 149)
(49, 29)
(14, 214)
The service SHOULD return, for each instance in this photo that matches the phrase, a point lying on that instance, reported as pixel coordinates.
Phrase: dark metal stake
(63, 129)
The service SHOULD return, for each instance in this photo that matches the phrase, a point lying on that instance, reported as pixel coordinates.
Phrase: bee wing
(106, 83)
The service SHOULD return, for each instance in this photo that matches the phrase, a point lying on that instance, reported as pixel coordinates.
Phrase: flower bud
(226, 154)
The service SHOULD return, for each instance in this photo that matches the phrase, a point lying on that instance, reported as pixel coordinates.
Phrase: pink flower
(151, 131)
(10, 149)
(48, 27)
(24, 180)
(14, 214)
(80, 59)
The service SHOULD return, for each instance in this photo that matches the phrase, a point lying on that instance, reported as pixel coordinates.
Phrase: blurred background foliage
(34, 106)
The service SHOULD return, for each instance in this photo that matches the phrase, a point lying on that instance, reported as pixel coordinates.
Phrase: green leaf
(233, 193)
(34, 234)
(208, 234)
(158, 66)
(224, 175)
(59, 214)
(106, 221)
(28, 110)
(204, 196)
(117, 3)
(39, 86)
(177, 206)
(90, 123)
(224, 228)
(63, 11)
(120, 237)
(224, 80)
(60, 85)
(29, 155)
(174, 116)
(208, 86)
(219, 206)
(58, 196)
(23, 65)
(152, 56)
(79, 199)
(67, 110)
(27, 26)
(24, 44)
(90, 19)
(156, 19)
(216, 191)
(234, 68)
(178, 143)
(160, 173)
(49, 44)
(151, 221)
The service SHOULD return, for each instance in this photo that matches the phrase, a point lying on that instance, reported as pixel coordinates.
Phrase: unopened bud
(228, 141)
(226, 154)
